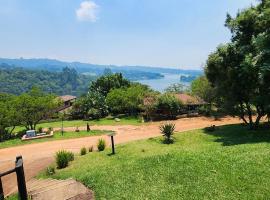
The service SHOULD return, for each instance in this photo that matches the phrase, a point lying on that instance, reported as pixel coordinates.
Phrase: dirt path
(38, 156)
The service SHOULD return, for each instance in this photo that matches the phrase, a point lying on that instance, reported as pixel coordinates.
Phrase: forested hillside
(19, 80)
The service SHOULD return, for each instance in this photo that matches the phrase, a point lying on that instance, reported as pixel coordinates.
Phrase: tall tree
(240, 70)
(201, 87)
(8, 116)
(108, 82)
(34, 106)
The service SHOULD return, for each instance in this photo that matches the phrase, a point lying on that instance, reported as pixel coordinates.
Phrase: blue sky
(174, 33)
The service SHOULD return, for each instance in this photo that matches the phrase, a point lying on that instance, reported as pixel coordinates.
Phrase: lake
(161, 84)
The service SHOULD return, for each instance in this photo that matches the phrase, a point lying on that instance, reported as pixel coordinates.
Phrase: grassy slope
(57, 136)
(230, 163)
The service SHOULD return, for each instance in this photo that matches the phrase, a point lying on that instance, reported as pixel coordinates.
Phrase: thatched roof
(66, 98)
(189, 100)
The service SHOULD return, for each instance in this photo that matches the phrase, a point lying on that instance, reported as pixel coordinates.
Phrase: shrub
(70, 156)
(40, 130)
(50, 170)
(62, 159)
(91, 149)
(167, 131)
(101, 144)
(83, 151)
(168, 105)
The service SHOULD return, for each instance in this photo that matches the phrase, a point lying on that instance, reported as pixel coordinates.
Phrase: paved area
(38, 156)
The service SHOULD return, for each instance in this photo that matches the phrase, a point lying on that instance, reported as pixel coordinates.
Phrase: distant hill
(130, 72)
(18, 80)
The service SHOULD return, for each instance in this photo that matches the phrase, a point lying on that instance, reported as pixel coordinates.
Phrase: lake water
(161, 84)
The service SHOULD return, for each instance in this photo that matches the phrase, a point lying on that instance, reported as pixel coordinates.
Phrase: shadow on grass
(230, 135)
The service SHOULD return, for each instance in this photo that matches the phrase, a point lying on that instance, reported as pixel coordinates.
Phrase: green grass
(230, 163)
(73, 123)
(57, 136)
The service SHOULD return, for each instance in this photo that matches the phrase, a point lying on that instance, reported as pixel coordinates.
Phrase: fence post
(1, 190)
(21, 178)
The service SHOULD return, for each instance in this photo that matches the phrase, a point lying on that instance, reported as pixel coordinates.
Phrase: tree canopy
(240, 70)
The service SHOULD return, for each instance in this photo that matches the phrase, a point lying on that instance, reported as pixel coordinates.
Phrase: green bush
(167, 105)
(62, 158)
(83, 151)
(101, 144)
(167, 131)
(70, 156)
(50, 170)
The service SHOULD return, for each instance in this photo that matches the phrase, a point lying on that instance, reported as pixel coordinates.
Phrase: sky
(165, 33)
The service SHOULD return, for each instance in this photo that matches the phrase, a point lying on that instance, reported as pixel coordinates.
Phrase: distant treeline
(19, 80)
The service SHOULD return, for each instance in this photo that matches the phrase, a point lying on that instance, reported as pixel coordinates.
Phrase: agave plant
(167, 131)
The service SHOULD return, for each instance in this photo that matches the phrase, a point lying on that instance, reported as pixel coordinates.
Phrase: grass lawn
(73, 123)
(57, 136)
(230, 163)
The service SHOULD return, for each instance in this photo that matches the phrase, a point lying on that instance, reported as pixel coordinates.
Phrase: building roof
(67, 98)
(189, 100)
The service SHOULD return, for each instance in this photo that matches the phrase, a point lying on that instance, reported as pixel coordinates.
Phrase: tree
(92, 106)
(108, 82)
(34, 106)
(167, 105)
(240, 70)
(176, 88)
(8, 116)
(201, 87)
(127, 100)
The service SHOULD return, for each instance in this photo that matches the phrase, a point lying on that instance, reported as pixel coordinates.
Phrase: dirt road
(38, 156)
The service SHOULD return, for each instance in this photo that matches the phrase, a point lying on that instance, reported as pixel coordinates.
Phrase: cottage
(191, 103)
(68, 101)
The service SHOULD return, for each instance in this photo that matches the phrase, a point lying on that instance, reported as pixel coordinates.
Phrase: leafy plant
(83, 151)
(167, 131)
(50, 170)
(101, 144)
(70, 156)
(62, 159)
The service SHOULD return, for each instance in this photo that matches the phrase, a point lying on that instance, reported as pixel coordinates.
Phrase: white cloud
(87, 11)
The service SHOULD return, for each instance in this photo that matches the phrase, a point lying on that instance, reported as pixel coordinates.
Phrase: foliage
(34, 106)
(224, 164)
(127, 100)
(50, 170)
(83, 151)
(91, 106)
(8, 116)
(201, 88)
(70, 156)
(240, 70)
(176, 88)
(62, 159)
(167, 131)
(167, 105)
(101, 145)
(108, 82)
(20, 80)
